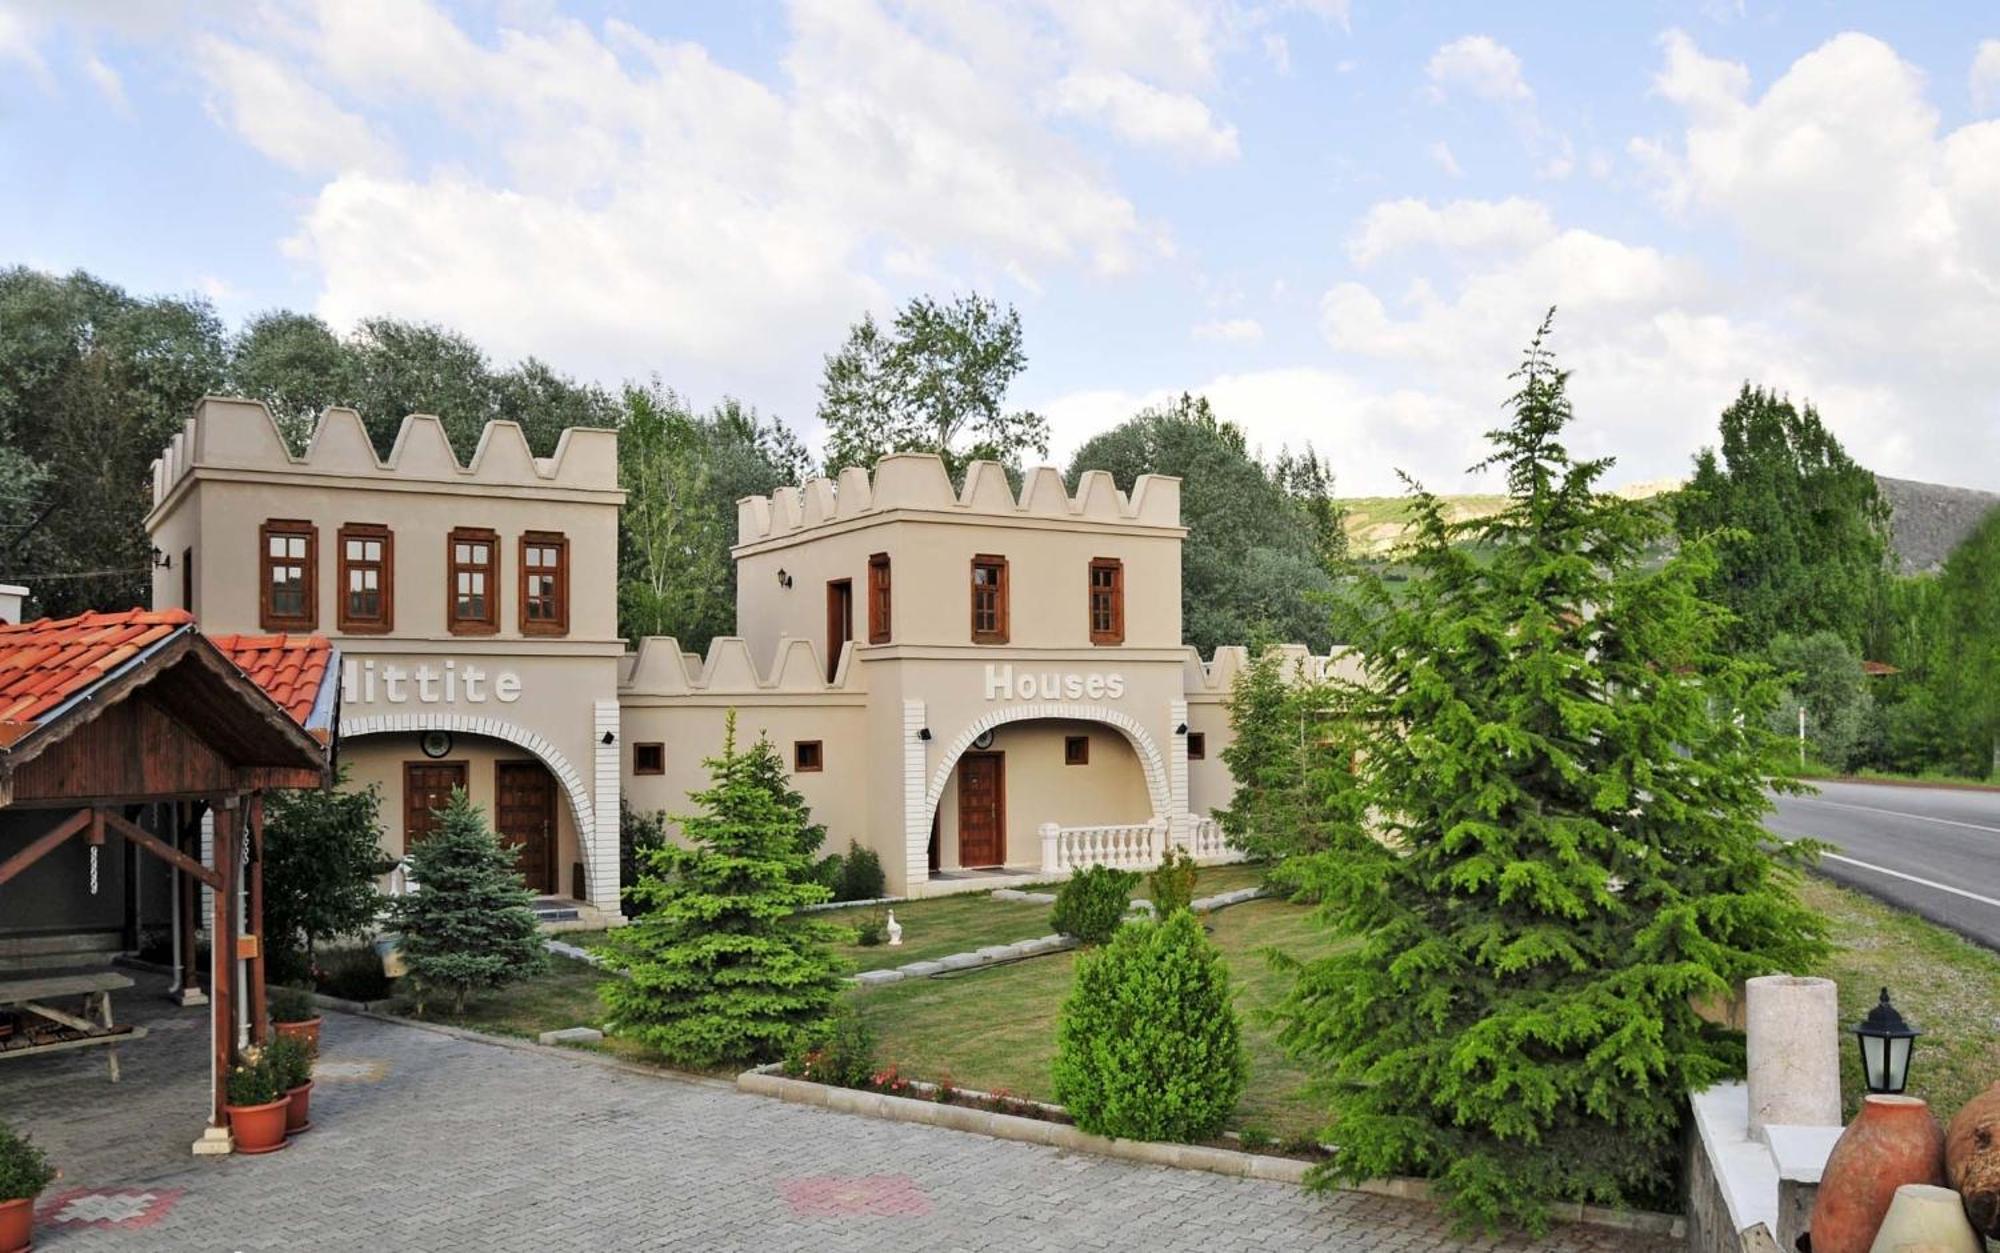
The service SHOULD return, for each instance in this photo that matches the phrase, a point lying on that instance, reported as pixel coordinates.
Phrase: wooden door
(524, 815)
(982, 810)
(427, 786)
(839, 622)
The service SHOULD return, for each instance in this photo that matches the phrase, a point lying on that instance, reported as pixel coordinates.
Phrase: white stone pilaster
(916, 813)
(600, 847)
(1178, 833)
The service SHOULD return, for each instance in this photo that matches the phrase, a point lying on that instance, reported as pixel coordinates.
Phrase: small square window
(649, 759)
(806, 757)
(1197, 746)
(1076, 750)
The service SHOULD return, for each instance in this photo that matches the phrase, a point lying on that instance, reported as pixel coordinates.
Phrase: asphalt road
(1935, 851)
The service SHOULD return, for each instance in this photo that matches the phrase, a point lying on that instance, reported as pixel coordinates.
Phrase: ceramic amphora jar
(1972, 1159)
(1923, 1219)
(1893, 1141)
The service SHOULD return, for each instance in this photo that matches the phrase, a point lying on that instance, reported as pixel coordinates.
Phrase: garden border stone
(767, 1081)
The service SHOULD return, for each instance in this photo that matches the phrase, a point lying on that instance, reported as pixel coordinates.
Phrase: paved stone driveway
(426, 1141)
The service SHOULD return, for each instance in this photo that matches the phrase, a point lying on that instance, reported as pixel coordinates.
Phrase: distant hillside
(1928, 520)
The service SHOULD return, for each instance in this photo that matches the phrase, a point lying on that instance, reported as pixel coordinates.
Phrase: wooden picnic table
(29, 994)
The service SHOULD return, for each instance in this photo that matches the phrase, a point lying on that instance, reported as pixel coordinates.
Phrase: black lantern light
(1886, 1041)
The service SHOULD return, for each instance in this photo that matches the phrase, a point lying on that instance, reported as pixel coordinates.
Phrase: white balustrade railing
(1128, 846)
(1206, 843)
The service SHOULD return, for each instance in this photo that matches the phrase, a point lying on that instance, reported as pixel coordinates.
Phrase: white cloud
(1230, 330)
(1479, 66)
(1985, 76)
(1146, 116)
(109, 84)
(1445, 159)
(19, 43)
(1278, 50)
(1394, 226)
(284, 117)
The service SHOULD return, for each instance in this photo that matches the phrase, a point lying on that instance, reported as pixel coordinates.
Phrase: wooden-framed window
(1197, 746)
(807, 757)
(649, 759)
(288, 588)
(472, 555)
(367, 578)
(1076, 750)
(1107, 600)
(839, 622)
(544, 583)
(989, 599)
(878, 598)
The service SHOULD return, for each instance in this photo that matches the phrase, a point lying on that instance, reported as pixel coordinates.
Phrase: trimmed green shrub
(1149, 1047)
(860, 875)
(290, 1062)
(716, 968)
(470, 922)
(1173, 882)
(353, 974)
(253, 1083)
(290, 1005)
(842, 1055)
(871, 931)
(1094, 901)
(24, 1169)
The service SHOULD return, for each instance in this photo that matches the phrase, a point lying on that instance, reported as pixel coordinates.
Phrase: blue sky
(1339, 220)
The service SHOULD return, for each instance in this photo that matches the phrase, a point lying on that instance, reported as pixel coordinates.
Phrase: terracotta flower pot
(258, 1128)
(1972, 1159)
(1923, 1219)
(1894, 1141)
(298, 1109)
(17, 1225)
(306, 1032)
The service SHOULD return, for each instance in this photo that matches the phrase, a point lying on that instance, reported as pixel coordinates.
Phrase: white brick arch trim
(1151, 760)
(463, 724)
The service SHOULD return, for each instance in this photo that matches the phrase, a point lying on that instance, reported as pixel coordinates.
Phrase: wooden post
(258, 1027)
(222, 955)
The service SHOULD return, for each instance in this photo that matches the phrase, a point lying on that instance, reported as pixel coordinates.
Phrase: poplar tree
(716, 968)
(1570, 771)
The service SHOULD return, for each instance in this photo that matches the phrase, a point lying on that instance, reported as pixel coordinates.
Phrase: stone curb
(766, 1082)
(990, 955)
(873, 900)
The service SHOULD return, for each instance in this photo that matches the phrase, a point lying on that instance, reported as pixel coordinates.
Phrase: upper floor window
(878, 598)
(1107, 600)
(989, 600)
(366, 577)
(288, 595)
(649, 759)
(544, 583)
(807, 757)
(1197, 746)
(475, 581)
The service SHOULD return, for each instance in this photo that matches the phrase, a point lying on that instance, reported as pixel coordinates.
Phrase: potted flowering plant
(24, 1172)
(294, 1013)
(256, 1107)
(291, 1070)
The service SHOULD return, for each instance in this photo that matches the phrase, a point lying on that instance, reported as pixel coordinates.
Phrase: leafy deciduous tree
(322, 855)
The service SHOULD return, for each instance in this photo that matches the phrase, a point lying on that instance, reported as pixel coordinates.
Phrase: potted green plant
(291, 1069)
(256, 1107)
(294, 1013)
(24, 1172)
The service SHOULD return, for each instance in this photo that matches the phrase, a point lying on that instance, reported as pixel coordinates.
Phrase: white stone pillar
(916, 789)
(1793, 1025)
(600, 854)
(1051, 837)
(1177, 776)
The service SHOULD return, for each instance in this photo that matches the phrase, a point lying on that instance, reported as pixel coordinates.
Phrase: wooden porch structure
(107, 716)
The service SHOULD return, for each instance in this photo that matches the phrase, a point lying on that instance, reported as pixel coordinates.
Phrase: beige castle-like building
(982, 687)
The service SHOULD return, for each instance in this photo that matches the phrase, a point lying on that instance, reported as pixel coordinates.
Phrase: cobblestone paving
(424, 1141)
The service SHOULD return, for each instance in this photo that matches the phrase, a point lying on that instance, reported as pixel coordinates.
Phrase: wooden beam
(45, 844)
(159, 848)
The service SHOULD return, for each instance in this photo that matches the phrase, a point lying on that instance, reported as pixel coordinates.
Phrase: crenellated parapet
(1216, 677)
(659, 667)
(241, 435)
(917, 482)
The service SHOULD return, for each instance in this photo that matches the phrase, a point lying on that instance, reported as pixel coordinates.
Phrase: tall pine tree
(1570, 770)
(470, 923)
(716, 969)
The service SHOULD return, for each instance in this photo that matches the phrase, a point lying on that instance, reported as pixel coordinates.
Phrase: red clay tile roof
(44, 663)
(292, 668)
(1877, 668)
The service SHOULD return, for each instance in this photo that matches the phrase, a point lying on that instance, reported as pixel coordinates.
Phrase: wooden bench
(28, 996)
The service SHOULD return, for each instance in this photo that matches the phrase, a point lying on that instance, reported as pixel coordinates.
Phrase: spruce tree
(1571, 771)
(470, 923)
(715, 967)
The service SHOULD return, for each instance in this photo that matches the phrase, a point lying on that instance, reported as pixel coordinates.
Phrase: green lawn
(939, 927)
(995, 1028)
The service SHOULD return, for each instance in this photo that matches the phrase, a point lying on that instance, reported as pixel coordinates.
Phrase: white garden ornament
(895, 930)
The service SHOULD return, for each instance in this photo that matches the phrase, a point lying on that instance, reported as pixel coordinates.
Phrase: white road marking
(1894, 813)
(1897, 874)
